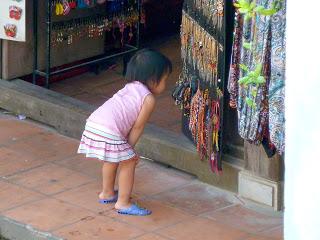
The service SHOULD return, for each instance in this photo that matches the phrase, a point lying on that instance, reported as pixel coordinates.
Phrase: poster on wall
(13, 20)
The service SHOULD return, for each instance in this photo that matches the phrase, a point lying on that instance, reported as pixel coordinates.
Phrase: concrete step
(11, 229)
(234, 150)
(235, 161)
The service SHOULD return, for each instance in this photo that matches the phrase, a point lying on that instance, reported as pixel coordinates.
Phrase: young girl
(112, 131)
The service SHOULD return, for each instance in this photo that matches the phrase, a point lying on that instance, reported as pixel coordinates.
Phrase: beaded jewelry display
(121, 16)
(95, 27)
(201, 48)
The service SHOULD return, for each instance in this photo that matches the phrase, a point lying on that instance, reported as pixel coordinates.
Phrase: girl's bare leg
(126, 180)
(109, 172)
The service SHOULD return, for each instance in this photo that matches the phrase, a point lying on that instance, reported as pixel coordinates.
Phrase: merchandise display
(95, 19)
(199, 91)
(121, 16)
(257, 72)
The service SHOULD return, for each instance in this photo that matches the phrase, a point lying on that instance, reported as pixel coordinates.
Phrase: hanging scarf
(234, 73)
(277, 79)
(266, 119)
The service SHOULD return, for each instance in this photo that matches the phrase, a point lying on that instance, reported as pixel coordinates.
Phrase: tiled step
(68, 116)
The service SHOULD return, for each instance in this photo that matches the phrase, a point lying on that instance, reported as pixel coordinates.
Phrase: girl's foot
(134, 210)
(108, 198)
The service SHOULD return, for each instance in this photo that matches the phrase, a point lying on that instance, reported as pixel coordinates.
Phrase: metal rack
(47, 73)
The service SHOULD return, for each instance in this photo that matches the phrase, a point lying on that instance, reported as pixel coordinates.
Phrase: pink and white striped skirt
(98, 142)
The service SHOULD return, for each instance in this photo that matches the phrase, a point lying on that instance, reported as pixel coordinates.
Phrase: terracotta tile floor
(96, 89)
(43, 183)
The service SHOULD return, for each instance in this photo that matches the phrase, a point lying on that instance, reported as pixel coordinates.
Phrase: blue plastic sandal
(135, 210)
(110, 200)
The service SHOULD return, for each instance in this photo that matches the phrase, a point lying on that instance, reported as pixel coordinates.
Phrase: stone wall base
(260, 190)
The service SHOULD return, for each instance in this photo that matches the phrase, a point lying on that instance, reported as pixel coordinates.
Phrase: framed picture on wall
(13, 20)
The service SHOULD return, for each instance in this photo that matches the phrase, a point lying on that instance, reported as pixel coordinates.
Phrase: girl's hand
(137, 160)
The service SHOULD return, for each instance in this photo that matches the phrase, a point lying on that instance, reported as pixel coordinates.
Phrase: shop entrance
(95, 89)
(96, 83)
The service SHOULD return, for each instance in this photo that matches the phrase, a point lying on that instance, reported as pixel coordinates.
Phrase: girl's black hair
(148, 66)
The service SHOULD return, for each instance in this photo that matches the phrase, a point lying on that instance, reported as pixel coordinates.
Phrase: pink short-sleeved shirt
(120, 112)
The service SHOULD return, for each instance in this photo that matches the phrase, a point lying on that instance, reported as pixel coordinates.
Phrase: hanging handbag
(178, 92)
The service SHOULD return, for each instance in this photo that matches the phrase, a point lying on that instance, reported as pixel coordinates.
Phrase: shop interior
(95, 83)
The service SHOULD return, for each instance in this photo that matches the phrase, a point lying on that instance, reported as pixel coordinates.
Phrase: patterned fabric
(250, 119)
(97, 142)
(267, 35)
(234, 73)
(277, 80)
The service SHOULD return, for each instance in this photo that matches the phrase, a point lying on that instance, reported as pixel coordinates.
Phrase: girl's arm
(144, 115)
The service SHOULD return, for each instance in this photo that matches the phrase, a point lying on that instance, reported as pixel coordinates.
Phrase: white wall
(302, 160)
